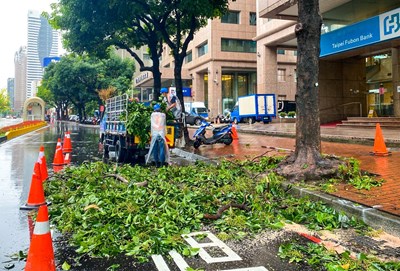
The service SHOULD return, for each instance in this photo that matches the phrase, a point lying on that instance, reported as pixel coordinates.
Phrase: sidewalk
(379, 207)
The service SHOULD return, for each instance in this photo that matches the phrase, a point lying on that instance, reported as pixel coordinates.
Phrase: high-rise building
(42, 42)
(10, 91)
(19, 79)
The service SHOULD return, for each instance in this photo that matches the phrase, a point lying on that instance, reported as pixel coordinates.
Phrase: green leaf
(66, 266)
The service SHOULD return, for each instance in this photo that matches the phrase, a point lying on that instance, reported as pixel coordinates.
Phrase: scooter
(221, 134)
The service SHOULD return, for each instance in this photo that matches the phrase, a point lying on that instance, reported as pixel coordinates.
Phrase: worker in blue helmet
(173, 103)
(158, 151)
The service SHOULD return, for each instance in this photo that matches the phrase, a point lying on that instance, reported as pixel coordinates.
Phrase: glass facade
(236, 84)
(236, 45)
(231, 17)
(355, 11)
(202, 49)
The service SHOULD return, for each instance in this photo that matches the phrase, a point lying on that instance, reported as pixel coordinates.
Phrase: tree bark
(306, 163)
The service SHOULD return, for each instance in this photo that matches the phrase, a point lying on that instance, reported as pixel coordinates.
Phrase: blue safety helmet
(156, 107)
(164, 90)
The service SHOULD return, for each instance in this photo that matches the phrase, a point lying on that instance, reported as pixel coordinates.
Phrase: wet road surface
(17, 159)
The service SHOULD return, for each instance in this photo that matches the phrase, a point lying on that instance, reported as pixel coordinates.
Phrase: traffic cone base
(67, 158)
(57, 168)
(36, 192)
(41, 253)
(379, 143)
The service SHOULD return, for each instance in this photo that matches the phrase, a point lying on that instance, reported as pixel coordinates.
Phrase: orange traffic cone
(58, 155)
(234, 132)
(67, 147)
(36, 192)
(379, 143)
(31, 225)
(43, 165)
(41, 254)
(67, 158)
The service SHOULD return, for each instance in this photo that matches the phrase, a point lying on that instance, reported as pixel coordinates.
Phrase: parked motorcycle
(221, 134)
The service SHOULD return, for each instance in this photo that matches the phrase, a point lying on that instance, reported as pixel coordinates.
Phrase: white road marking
(180, 262)
(178, 259)
(215, 242)
(160, 263)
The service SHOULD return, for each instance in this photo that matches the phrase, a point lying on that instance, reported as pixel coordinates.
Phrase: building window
(202, 49)
(233, 45)
(295, 52)
(253, 18)
(231, 17)
(188, 57)
(281, 75)
(295, 75)
(280, 52)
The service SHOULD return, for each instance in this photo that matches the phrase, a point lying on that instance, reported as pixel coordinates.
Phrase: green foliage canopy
(76, 79)
(4, 101)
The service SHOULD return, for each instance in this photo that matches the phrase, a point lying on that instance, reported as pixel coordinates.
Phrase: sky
(13, 32)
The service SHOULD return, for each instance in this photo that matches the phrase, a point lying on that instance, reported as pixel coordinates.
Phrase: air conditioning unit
(150, 97)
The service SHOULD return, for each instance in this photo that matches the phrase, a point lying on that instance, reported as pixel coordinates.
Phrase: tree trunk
(306, 163)
(179, 92)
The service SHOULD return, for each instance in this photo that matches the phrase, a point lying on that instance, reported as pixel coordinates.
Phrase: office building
(20, 59)
(42, 42)
(10, 91)
(359, 60)
(221, 60)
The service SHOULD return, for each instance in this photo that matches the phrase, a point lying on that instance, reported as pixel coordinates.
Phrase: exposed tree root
(293, 170)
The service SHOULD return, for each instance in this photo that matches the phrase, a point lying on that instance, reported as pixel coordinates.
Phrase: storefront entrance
(380, 84)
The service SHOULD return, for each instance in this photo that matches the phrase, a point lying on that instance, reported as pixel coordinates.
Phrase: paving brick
(259, 139)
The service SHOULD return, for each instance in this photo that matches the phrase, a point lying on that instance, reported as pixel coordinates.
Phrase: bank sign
(373, 30)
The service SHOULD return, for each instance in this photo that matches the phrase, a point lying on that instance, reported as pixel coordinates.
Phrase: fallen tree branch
(225, 207)
(122, 179)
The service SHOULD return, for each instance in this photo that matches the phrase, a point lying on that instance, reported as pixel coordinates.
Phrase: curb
(329, 138)
(369, 215)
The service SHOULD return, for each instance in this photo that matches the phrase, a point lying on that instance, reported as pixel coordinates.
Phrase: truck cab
(197, 109)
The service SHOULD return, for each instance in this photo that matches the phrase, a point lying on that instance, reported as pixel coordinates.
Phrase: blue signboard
(48, 60)
(373, 30)
(187, 92)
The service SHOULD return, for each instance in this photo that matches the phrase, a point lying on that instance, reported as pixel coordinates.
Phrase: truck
(197, 109)
(115, 138)
(255, 107)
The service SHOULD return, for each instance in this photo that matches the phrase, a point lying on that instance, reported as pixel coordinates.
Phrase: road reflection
(17, 159)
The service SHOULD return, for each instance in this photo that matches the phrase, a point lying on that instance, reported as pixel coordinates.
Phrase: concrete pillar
(395, 80)
(267, 69)
(214, 90)
(197, 87)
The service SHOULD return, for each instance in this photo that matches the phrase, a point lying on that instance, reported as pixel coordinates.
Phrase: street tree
(78, 79)
(178, 24)
(4, 101)
(98, 27)
(307, 162)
